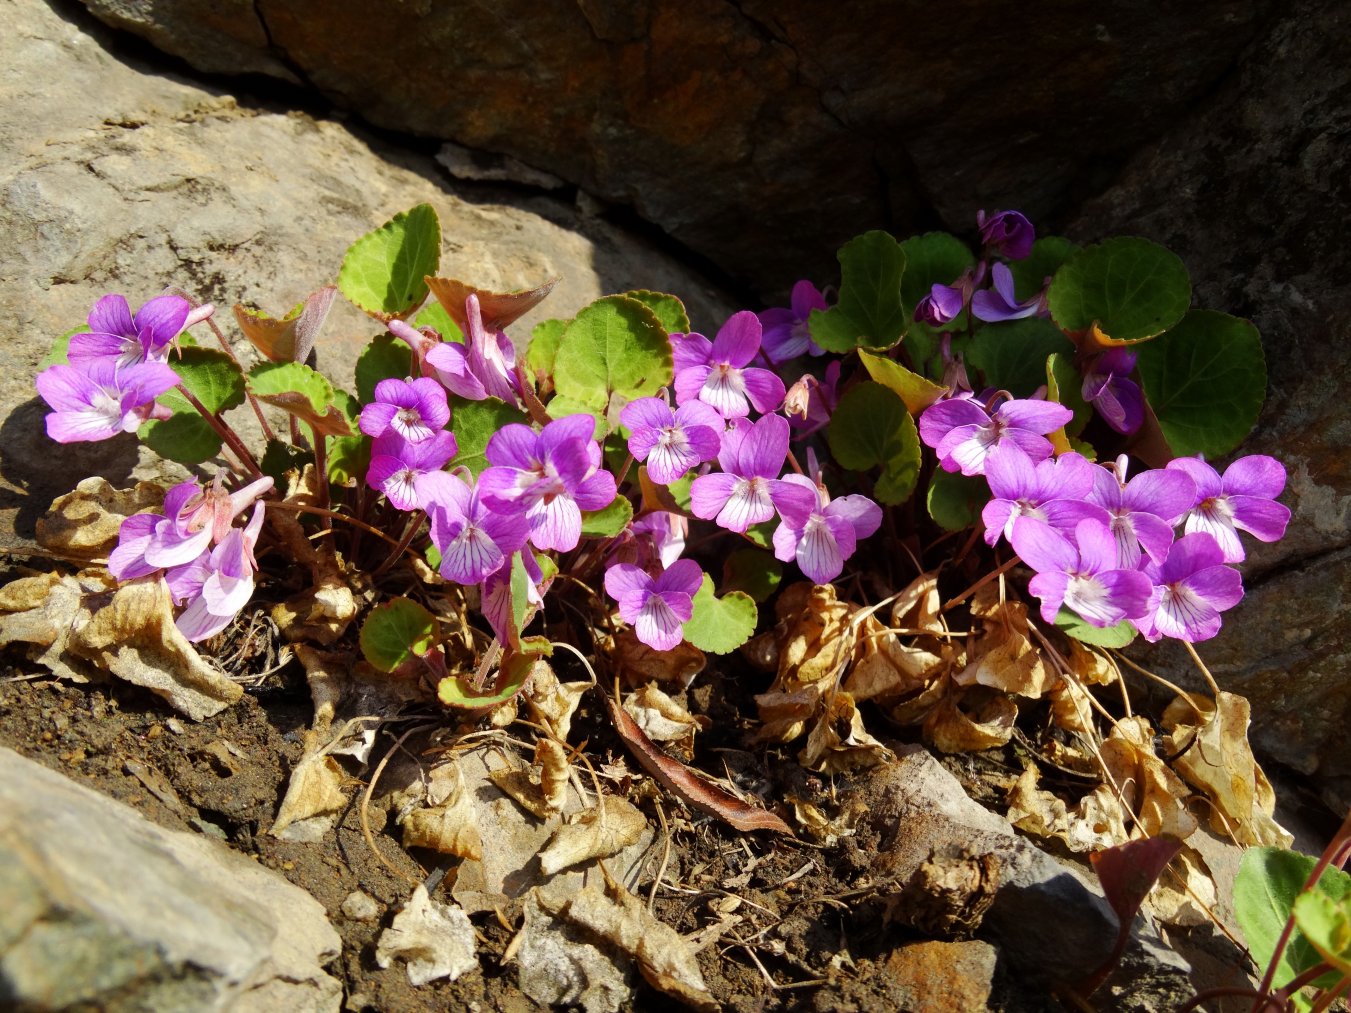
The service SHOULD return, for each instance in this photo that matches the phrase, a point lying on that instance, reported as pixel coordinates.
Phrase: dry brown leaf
(694, 790)
(1092, 668)
(820, 827)
(320, 614)
(1154, 793)
(523, 787)
(550, 702)
(498, 309)
(986, 722)
(315, 789)
(665, 959)
(663, 719)
(134, 638)
(599, 832)
(637, 663)
(1186, 893)
(918, 606)
(784, 716)
(1220, 763)
(816, 638)
(552, 758)
(437, 940)
(1004, 658)
(1096, 823)
(885, 666)
(839, 742)
(85, 522)
(447, 825)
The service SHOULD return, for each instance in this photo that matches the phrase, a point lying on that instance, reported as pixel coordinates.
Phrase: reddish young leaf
(1127, 873)
(684, 783)
(289, 338)
(499, 309)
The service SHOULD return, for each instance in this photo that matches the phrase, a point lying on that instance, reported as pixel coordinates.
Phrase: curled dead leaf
(1097, 822)
(1005, 658)
(599, 832)
(984, 721)
(550, 702)
(665, 959)
(315, 789)
(499, 309)
(639, 664)
(664, 719)
(552, 758)
(448, 824)
(815, 638)
(1155, 794)
(1214, 756)
(84, 523)
(839, 742)
(437, 940)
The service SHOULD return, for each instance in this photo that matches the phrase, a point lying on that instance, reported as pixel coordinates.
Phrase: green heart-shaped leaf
(474, 423)
(871, 428)
(955, 500)
(543, 348)
(383, 271)
(1099, 636)
(917, 392)
(1030, 273)
(1206, 380)
(1129, 289)
(870, 312)
(720, 625)
(1012, 354)
(298, 389)
(395, 632)
(607, 521)
(753, 571)
(666, 308)
(615, 346)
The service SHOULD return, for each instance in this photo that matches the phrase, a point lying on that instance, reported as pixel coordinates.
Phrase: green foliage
(1129, 288)
(516, 668)
(1030, 273)
(1065, 386)
(56, 355)
(872, 428)
(720, 625)
(869, 312)
(186, 438)
(1268, 883)
(955, 500)
(669, 310)
(615, 346)
(543, 347)
(349, 457)
(474, 423)
(607, 521)
(916, 391)
(1099, 636)
(434, 315)
(1011, 354)
(396, 632)
(383, 271)
(279, 458)
(302, 392)
(1206, 380)
(1326, 923)
(384, 358)
(212, 377)
(935, 258)
(753, 571)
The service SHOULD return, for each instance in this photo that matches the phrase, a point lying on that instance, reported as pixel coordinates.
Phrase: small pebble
(174, 725)
(361, 907)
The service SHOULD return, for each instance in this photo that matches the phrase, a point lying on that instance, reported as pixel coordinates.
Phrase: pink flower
(1243, 500)
(1142, 510)
(473, 540)
(964, 432)
(786, 331)
(408, 473)
(1053, 490)
(115, 334)
(671, 442)
(1081, 574)
(1006, 232)
(102, 399)
(751, 458)
(415, 409)
(219, 584)
(656, 608)
(1192, 586)
(818, 532)
(719, 374)
(484, 366)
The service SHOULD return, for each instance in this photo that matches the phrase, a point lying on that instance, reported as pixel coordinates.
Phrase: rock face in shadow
(1252, 191)
(761, 135)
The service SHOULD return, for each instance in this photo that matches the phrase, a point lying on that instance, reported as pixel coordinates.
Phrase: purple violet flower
(550, 477)
(786, 333)
(818, 532)
(656, 538)
(115, 334)
(1143, 510)
(656, 608)
(671, 442)
(1053, 491)
(1243, 500)
(963, 432)
(751, 458)
(1192, 586)
(473, 540)
(408, 473)
(219, 585)
(193, 519)
(415, 409)
(1081, 574)
(942, 305)
(1006, 232)
(484, 366)
(1109, 389)
(1000, 302)
(718, 372)
(101, 400)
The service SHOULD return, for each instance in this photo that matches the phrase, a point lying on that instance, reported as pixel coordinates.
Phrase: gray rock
(99, 908)
(1049, 919)
(760, 134)
(1252, 192)
(123, 180)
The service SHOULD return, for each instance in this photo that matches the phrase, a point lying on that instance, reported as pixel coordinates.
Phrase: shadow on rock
(39, 470)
